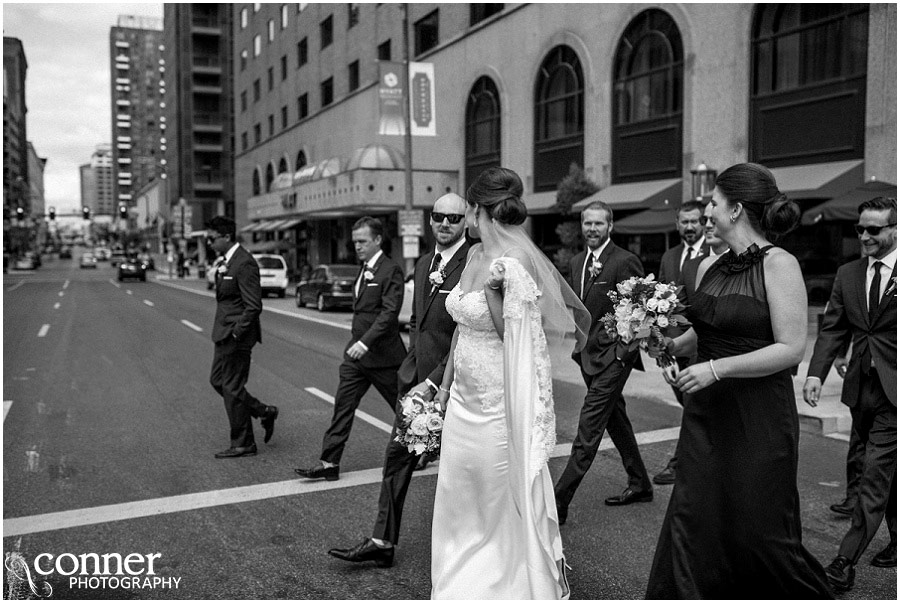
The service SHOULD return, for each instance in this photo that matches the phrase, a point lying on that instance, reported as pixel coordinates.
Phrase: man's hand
(812, 389)
(423, 390)
(841, 366)
(356, 351)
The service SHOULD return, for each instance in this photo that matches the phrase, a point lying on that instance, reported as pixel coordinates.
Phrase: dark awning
(818, 180)
(650, 221)
(636, 195)
(846, 207)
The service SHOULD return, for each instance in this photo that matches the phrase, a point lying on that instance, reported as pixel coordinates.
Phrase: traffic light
(20, 213)
(86, 212)
(52, 213)
(123, 212)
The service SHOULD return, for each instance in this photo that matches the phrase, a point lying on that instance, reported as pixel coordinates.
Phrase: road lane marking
(191, 325)
(18, 526)
(128, 291)
(362, 415)
(6, 405)
(66, 284)
(56, 306)
(43, 331)
(61, 293)
(115, 284)
(838, 436)
(148, 302)
(14, 287)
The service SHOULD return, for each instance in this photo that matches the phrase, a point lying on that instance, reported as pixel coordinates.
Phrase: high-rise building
(36, 181)
(16, 190)
(200, 148)
(138, 86)
(97, 182)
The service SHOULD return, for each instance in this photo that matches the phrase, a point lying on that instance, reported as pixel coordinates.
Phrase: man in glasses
(430, 331)
(235, 331)
(863, 310)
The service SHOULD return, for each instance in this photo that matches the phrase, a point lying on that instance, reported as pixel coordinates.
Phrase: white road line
(6, 405)
(128, 291)
(362, 415)
(191, 325)
(66, 284)
(838, 436)
(148, 302)
(61, 293)
(115, 284)
(56, 306)
(43, 331)
(14, 287)
(18, 526)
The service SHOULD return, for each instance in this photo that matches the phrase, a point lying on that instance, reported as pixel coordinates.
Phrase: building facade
(199, 109)
(36, 181)
(138, 74)
(638, 95)
(97, 182)
(15, 139)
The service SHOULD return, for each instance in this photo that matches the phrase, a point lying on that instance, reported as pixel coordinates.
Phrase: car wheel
(281, 293)
(321, 306)
(298, 299)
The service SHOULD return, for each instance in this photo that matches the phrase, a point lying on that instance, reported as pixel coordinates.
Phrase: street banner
(390, 98)
(421, 99)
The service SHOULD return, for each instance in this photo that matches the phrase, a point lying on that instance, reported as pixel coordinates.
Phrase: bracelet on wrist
(490, 286)
(712, 367)
(444, 389)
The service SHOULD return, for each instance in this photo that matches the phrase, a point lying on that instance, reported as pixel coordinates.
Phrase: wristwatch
(433, 389)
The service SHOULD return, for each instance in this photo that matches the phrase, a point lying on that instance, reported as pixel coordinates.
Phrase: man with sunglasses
(430, 331)
(235, 331)
(863, 310)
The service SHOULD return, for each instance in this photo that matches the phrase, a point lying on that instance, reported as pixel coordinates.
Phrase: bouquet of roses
(644, 308)
(422, 423)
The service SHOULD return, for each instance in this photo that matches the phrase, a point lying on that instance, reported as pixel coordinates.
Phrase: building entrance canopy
(846, 207)
(819, 180)
(636, 195)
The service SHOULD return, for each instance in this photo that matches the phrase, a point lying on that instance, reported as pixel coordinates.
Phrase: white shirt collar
(230, 252)
(447, 254)
(697, 246)
(373, 259)
(596, 252)
(890, 260)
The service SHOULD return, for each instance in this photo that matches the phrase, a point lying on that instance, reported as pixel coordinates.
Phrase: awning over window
(846, 206)
(650, 221)
(819, 180)
(271, 225)
(290, 223)
(636, 195)
(252, 226)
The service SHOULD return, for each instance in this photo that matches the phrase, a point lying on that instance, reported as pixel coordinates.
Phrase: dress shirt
(696, 251)
(588, 258)
(887, 267)
(448, 253)
(230, 252)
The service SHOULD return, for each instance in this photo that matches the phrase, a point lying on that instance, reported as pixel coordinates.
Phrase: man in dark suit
(375, 350)
(236, 330)
(690, 252)
(430, 332)
(605, 365)
(863, 309)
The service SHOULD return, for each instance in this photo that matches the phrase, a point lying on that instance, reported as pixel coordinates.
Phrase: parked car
(406, 307)
(117, 256)
(131, 267)
(328, 286)
(87, 261)
(211, 272)
(101, 253)
(26, 262)
(148, 260)
(65, 252)
(272, 273)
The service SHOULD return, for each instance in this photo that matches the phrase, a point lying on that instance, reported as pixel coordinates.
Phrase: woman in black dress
(732, 529)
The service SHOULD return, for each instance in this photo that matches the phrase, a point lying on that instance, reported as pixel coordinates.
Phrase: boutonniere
(595, 268)
(892, 288)
(222, 269)
(436, 278)
(368, 274)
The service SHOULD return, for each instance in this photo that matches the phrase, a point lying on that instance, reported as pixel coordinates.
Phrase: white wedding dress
(495, 533)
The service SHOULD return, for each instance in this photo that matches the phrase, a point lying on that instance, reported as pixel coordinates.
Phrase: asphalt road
(110, 427)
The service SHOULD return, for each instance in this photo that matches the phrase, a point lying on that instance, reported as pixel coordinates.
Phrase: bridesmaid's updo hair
(499, 191)
(768, 209)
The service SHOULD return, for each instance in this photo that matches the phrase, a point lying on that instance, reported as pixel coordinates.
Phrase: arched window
(270, 176)
(647, 99)
(482, 128)
(301, 160)
(282, 166)
(808, 69)
(558, 118)
(257, 187)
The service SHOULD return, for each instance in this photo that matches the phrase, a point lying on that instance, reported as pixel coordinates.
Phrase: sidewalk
(829, 416)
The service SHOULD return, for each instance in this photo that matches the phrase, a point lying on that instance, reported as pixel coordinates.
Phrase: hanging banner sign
(390, 98)
(421, 99)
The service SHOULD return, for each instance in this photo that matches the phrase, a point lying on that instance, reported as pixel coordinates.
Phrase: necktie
(875, 290)
(587, 274)
(689, 255)
(362, 270)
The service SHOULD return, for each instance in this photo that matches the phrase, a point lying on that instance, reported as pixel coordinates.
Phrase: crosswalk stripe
(148, 302)
(6, 405)
(43, 331)
(191, 325)
(364, 416)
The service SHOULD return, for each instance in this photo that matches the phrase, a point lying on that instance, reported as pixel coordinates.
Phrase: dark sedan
(329, 286)
(132, 267)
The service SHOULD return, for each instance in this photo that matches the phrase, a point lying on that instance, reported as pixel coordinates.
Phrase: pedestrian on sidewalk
(863, 310)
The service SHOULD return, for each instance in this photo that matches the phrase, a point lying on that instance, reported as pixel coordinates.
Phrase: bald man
(430, 331)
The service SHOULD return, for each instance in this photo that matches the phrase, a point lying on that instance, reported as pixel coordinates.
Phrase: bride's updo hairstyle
(768, 209)
(499, 191)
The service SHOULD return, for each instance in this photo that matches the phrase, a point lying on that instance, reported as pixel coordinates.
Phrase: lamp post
(703, 181)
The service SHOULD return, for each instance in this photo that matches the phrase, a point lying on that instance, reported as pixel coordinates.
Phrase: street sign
(410, 223)
(410, 247)
(187, 215)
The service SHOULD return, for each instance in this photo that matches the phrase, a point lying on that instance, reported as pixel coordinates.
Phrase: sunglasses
(704, 220)
(213, 238)
(438, 217)
(873, 231)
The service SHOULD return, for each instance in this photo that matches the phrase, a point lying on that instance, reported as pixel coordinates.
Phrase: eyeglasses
(452, 218)
(873, 231)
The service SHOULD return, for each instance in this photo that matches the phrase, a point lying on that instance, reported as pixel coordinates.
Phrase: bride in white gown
(495, 533)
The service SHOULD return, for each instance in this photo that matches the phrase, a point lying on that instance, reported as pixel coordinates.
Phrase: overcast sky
(67, 84)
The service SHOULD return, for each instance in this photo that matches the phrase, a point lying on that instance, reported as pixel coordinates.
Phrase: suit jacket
(846, 319)
(375, 313)
(430, 326)
(618, 265)
(238, 300)
(669, 271)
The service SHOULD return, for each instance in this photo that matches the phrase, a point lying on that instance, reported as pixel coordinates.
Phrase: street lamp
(703, 181)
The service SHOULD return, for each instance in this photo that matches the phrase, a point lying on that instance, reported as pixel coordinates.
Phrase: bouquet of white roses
(422, 423)
(644, 308)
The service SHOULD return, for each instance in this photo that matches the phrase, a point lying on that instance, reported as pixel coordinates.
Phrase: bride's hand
(441, 398)
(497, 276)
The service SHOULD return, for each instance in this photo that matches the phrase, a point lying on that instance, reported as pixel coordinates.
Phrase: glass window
(270, 177)
(271, 30)
(384, 51)
(302, 53)
(283, 67)
(352, 14)
(302, 106)
(353, 75)
(284, 117)
(256, 6)
(271, 125)
(256, 90)
(284, 16)
(482, 128)
(244, 56)
(271, 73)
(327, 91)
(244, 18)
(480, 12)
(426, 32)
(326, 31)
(243, 101)
(244, 141)
(282, 164)
(301, 160)
(257, 45)
(257, 133)
(256, 185)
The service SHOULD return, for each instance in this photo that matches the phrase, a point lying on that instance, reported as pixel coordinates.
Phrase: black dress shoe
(330, 474)
(845, 507)
(268, 422)
(366, 550)
(562, 514)
(629, 496)
(666, 477)
(233, 453)
(887, 557)
(840, 574)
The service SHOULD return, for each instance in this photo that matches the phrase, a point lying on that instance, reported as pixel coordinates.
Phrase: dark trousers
(603, 410)
(875, 420)
(355, 381)
(856, 460)
(399, 464)
(228, 376)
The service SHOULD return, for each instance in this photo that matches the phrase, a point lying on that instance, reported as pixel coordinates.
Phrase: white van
(272, 273)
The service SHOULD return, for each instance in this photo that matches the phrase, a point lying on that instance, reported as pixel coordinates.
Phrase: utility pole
(407, 137)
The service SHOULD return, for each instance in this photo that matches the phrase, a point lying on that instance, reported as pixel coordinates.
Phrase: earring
(733, 218)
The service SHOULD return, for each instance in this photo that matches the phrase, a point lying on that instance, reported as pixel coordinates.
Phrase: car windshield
(344, 271)
(270, 263)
